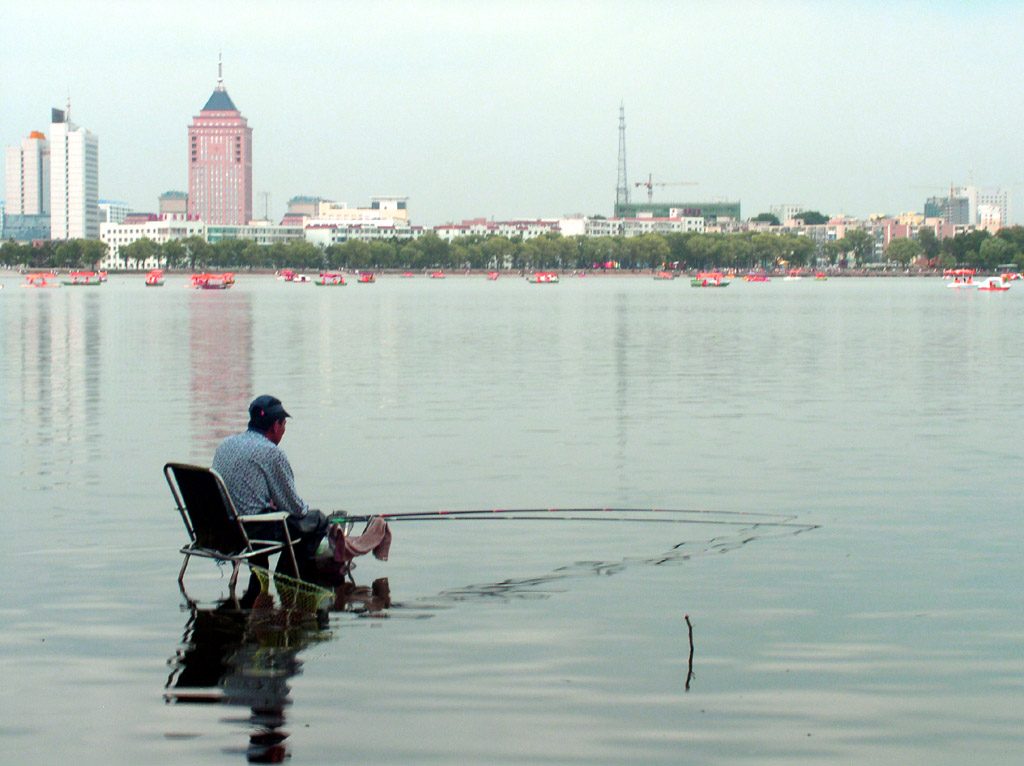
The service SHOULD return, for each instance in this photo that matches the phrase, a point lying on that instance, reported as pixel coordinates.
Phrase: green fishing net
(292, 593)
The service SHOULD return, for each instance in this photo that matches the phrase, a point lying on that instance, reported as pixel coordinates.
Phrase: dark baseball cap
(266, 408)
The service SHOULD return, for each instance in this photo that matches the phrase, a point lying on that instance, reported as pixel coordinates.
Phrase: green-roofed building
(711, 212)
(174, 203)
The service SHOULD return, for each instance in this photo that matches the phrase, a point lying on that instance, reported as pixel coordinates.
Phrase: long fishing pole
(551, 513)
(624, 519)
(481, 511)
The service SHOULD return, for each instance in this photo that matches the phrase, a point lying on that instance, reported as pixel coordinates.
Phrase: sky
(510, 109)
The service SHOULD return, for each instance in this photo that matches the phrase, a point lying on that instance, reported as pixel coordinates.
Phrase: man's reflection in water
(244, 654)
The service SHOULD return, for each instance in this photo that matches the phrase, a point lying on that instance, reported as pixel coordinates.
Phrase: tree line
(741, 251)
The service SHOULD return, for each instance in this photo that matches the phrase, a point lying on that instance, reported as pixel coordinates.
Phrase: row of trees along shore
(747, 250)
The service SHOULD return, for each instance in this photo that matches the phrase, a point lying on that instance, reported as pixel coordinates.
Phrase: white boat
(963, 279)
(994, 285)
(963, 283)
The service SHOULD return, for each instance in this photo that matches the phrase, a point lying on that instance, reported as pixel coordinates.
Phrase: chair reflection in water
(244, 651)
(215, 528)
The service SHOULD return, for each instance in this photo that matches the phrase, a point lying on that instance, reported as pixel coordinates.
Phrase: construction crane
(650, 184)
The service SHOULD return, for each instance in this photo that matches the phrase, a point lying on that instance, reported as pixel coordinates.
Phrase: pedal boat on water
(963, 279)
(543, 278)
(84, 279)
(993, 285)
(46, 279)
(709, 279)
(212, 281)
(330, 280)
(155, 278)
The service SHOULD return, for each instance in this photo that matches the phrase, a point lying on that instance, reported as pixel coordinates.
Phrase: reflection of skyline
(54, 383)
(220, 365)
(622, 345)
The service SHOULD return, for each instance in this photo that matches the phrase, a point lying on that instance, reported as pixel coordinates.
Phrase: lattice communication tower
(622, 186)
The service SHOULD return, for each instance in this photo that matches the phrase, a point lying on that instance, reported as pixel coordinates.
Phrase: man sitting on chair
(259, 479)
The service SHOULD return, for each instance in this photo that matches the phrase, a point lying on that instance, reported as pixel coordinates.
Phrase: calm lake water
(854, 593)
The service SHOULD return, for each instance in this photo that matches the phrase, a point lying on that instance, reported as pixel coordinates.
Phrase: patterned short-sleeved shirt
(258, 475)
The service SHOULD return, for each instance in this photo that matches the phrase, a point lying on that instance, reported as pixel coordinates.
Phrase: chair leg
(181, 586)
(234, 576)
(291, 551)
(184, 565)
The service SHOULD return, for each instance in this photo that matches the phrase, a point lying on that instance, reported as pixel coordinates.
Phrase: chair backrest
(206, 508)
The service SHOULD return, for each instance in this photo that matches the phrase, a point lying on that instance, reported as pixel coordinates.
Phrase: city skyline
(510, 110)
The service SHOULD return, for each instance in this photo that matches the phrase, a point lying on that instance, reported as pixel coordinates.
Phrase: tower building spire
(220, 73)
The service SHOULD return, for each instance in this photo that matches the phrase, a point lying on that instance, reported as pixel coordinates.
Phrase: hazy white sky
(510, 109)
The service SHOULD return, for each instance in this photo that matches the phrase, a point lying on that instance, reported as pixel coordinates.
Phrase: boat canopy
(202, 279)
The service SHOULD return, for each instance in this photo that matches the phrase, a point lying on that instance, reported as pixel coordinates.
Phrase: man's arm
(281, 482)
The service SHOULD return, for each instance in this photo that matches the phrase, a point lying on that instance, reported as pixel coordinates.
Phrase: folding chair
(215, 528)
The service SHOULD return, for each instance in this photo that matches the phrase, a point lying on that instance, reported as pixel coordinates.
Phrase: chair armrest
(272, 516)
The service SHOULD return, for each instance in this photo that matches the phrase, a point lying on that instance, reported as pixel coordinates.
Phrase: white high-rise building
(786, 212)
(988, 203)
(74, 180)
(28, 176)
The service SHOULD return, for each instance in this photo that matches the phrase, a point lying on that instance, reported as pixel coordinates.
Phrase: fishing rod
(625, 519)
(552, 513)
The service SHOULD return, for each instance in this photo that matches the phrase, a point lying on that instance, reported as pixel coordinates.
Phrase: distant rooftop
(219, 101)
(174, 195)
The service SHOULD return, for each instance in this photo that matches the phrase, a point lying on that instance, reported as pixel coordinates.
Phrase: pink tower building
(220, 161)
